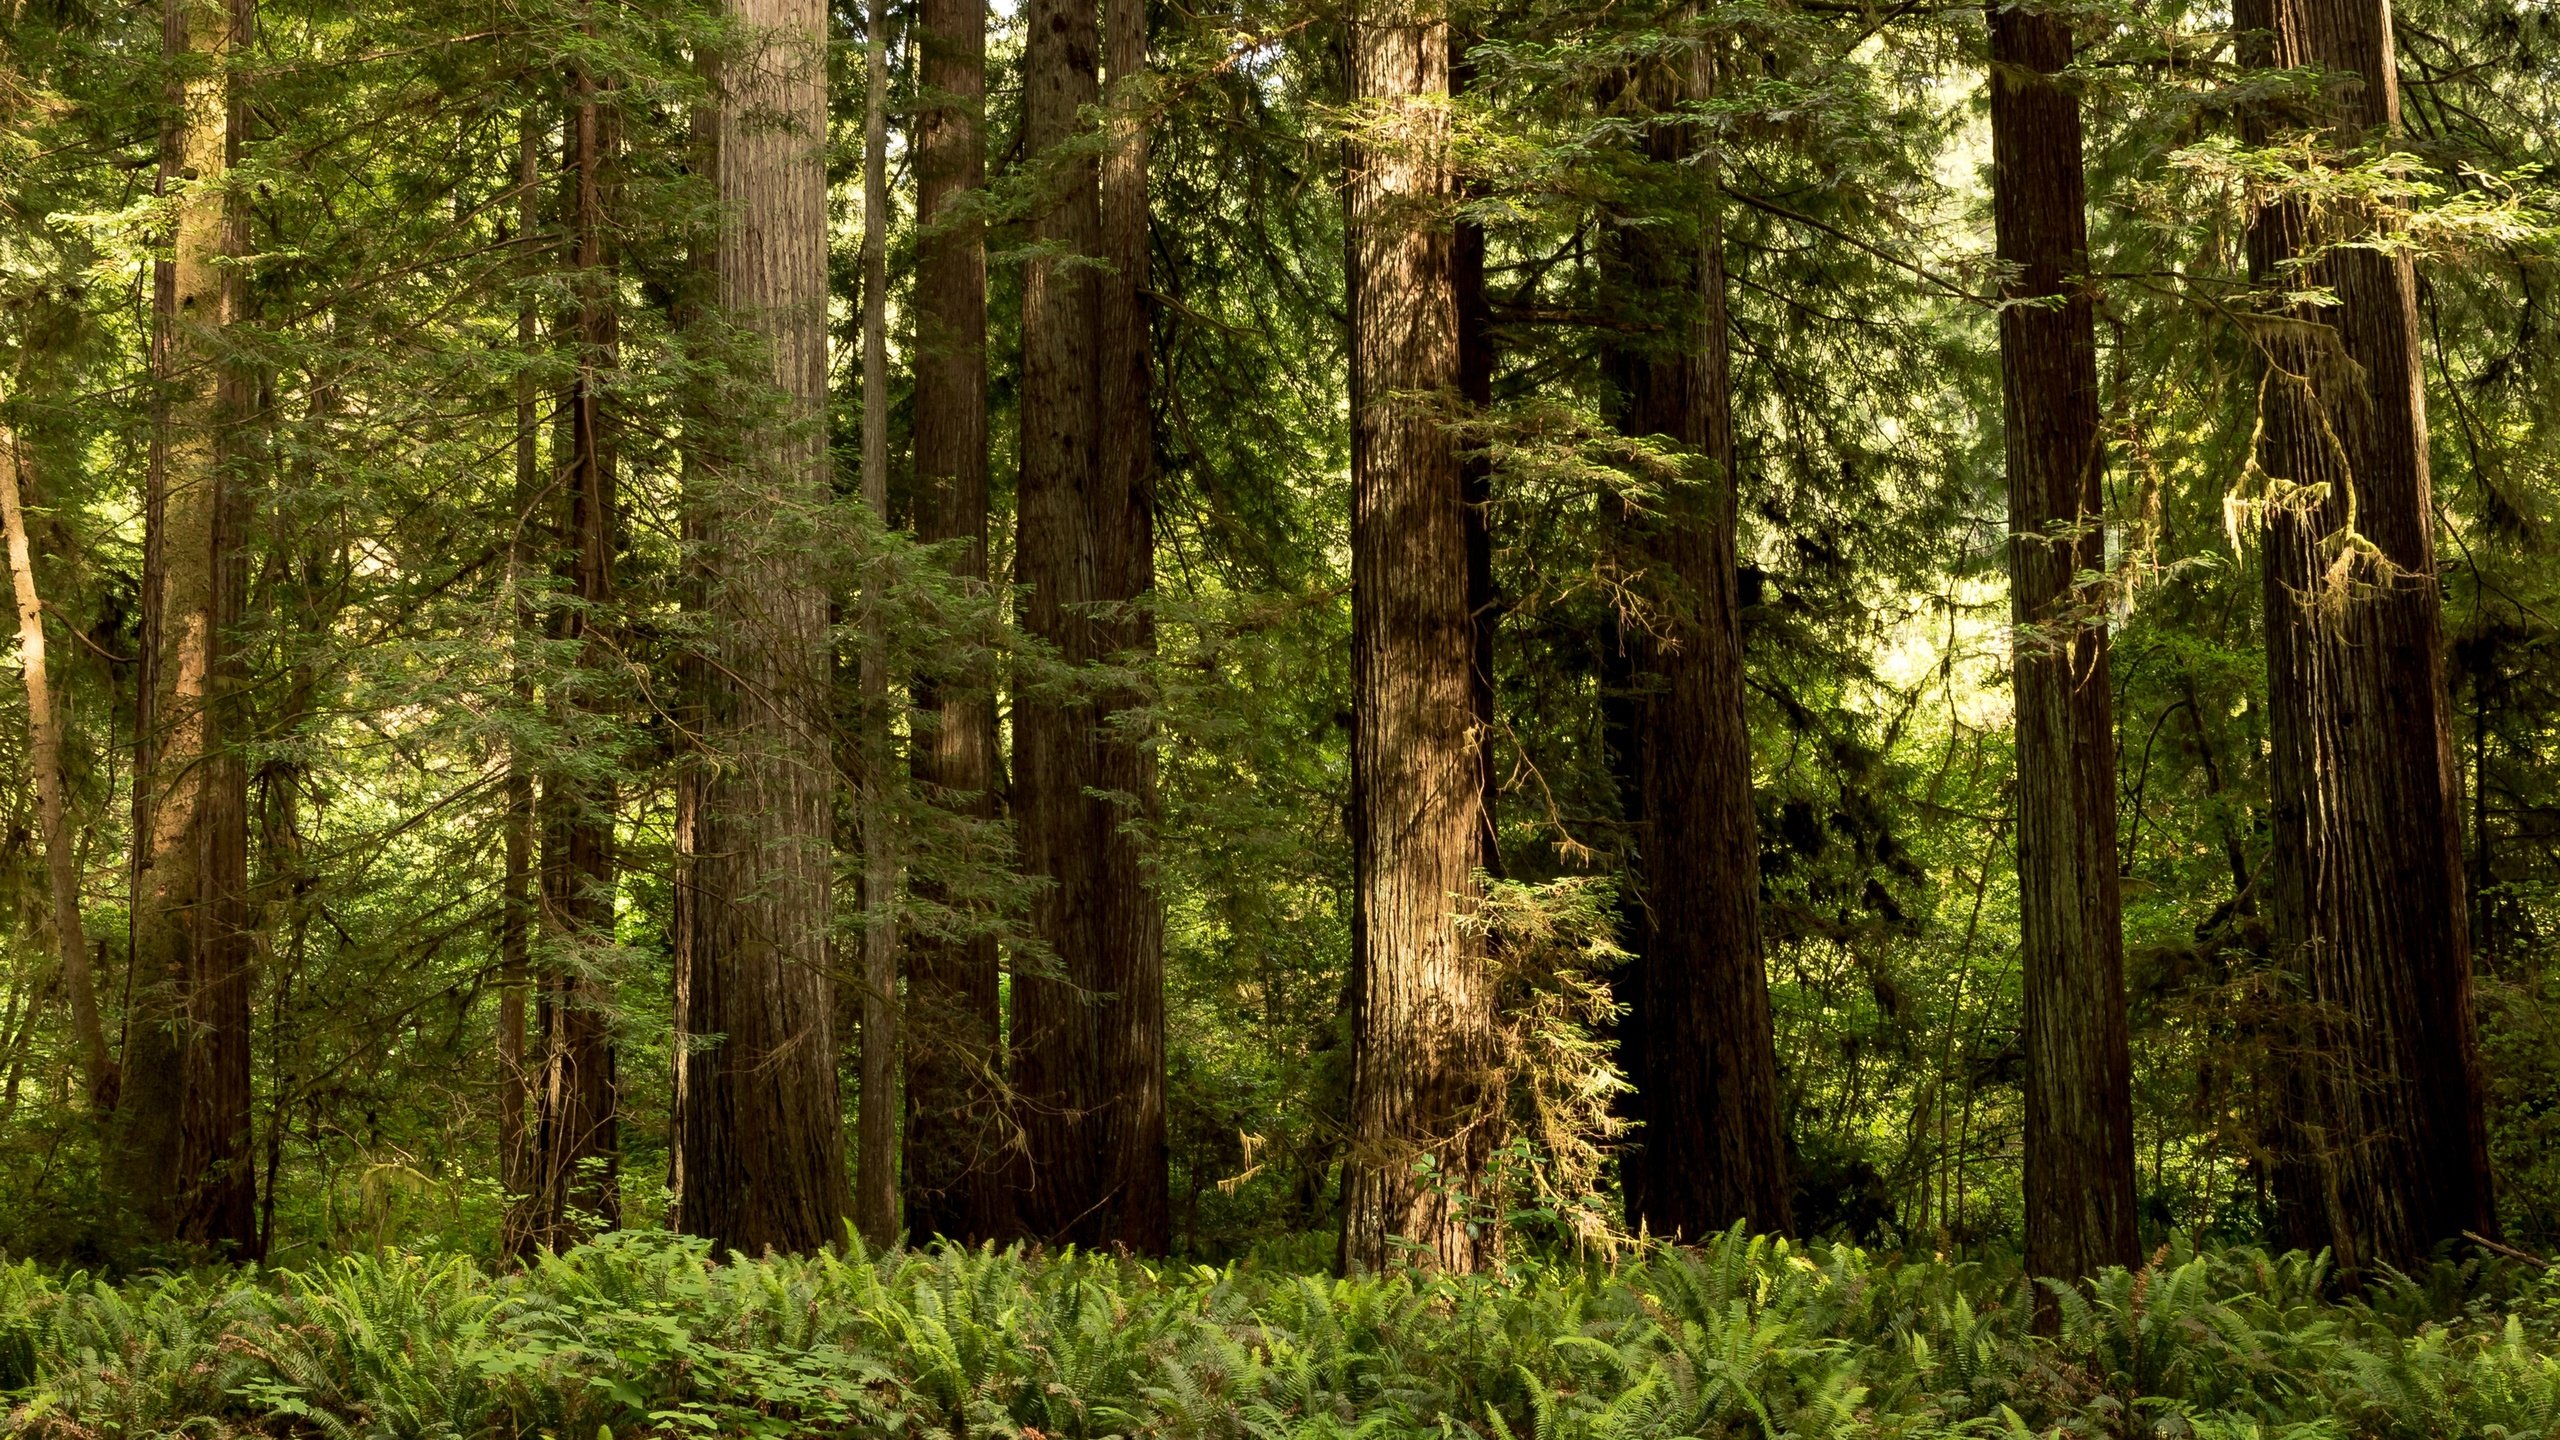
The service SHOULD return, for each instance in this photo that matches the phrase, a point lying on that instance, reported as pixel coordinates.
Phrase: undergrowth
(640, 1334)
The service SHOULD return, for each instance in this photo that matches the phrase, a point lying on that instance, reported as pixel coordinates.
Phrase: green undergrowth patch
(643, 1334)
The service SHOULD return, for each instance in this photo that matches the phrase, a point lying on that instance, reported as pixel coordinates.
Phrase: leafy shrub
(642, 1333)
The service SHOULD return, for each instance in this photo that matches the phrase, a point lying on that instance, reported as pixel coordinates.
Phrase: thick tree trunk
(876, 1169)
(2079, 1155)
(1129, 972)
(1422, 1028)
(2387, 1145)
(1055, 1066)
(576, 1141)
(1698, 1042)
(182, 1157)
(759, 1127)
(955, 1181)
(53, 815)
(1088, 1018)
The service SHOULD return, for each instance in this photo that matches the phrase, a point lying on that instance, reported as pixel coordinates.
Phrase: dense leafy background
(393, 674)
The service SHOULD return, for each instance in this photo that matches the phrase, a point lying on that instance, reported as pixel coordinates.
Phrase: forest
(1280, 718)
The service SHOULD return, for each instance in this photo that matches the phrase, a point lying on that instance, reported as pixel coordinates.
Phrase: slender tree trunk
(1699, 1045)
(955, 1181)
(576, 1144)
(1056, 1041)
(183, 1152)
(283, 902)
(1422, 1031)
(759, 1127)
(44, 758)
(516, 903)
(1475, 387)
(876, 1198)
(2386, 1149)
(2079, 1144)
(1137, 1196)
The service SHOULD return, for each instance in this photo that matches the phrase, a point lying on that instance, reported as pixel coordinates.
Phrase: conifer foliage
(1444, 642)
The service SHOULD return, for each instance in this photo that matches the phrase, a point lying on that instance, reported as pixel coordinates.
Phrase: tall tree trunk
(1137, 1196)
(516, 903)
(576, 1144)
(1057, 1064)
(182, 1160)
(1700, 1050)
(44, 759)
(759, 1160)
(955, 1181)
(284, 897)
(876, 1171)
(2388, 1148)
(2079, 1144)
(1422, 1028)
(1089, 1035)
(1475, 387)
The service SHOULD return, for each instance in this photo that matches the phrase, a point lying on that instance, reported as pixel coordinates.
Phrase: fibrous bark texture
(955, 1180)
(1138, 1203)
(875, 1208)
(2382, 1147)
(1055, 1067)
(2079, 1155)
(1697, 1037)
(1088, 1019)
(759, 1131)
(182, 1157)
(1422, 1026)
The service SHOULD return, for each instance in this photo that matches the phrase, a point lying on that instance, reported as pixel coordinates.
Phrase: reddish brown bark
(955, 1143)
(1697, 1037)
(1056, 1066)
(2079, 1141)
(1422, 1021)
(1088, 1021)
(759, 1153)
(182, 1158)
(1129, 974)
(2383, 1148)
(875, 1207)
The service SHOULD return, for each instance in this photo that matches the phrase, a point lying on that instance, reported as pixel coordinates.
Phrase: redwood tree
(575, 1146)
(182, 1158)
(1697, 1035)
(875, 1199)
(1422, 1019)
(1129, 927)
(517, 913)
(2383, 1150)
(953, 1175)
(2079, 1140)
(1056, 1069)
(759, 1133)
(1088, 1041)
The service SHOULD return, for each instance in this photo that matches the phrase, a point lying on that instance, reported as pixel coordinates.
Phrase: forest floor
(640, 1335)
